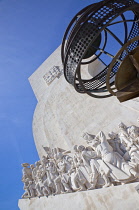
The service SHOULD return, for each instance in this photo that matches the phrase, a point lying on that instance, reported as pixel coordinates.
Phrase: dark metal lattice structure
(82, 40)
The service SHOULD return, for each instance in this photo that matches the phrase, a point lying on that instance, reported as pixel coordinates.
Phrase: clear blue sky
(30, 30)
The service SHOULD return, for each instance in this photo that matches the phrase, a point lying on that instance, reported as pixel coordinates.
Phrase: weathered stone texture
(62, 114)
(123, 197)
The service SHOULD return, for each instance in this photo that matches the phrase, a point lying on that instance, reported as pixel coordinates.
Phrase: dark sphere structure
(86, 39)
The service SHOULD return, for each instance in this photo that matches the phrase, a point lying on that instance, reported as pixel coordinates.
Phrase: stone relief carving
(101, 163)
(54, 72)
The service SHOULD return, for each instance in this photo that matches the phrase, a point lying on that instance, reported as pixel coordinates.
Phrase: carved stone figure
(134, 135)
(38, 180)
(105, 151)
(43, 175)
(123, 134)
(115, 143)
(26, 170)
(98, 167)
(101, 163)
(26, 188)
(77, 179)
(64, 176)
(132, 144)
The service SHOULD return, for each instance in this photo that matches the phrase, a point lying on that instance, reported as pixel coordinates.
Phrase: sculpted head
(112, 135)
(81, 148)
(60, 156)
(133, 128)
(88, 137)
(32, 166)
(122, 125)
(94, 143)
(44, 159)
(38, 163)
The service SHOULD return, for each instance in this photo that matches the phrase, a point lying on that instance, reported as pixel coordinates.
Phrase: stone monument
(88, 147)
(78, 163)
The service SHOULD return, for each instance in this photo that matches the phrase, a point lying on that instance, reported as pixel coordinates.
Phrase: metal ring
(82, 34)
(114, 60)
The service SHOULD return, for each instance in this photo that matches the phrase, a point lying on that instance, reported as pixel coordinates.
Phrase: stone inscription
(54, 72)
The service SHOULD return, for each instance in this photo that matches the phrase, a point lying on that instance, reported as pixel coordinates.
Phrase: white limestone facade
(123, 197)
(62, 115)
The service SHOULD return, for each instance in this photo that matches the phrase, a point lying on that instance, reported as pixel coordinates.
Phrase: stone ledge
(120, 197)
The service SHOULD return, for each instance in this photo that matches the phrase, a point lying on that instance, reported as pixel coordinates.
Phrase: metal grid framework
(83, 30)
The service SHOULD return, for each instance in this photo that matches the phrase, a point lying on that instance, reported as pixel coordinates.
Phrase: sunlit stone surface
(62, 114)
(61, 117)
(112, 198)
